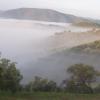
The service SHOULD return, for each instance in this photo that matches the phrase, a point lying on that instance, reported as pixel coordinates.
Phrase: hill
(54, 66)
(39, 14)
(93, 47)
(64, 55)
(86, 23)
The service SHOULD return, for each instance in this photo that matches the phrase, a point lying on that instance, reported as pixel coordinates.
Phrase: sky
(85, 8)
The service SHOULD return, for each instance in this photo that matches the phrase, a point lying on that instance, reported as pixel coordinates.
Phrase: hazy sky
(87, 8)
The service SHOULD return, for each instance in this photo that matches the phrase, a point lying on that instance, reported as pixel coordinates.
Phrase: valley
(43, 47)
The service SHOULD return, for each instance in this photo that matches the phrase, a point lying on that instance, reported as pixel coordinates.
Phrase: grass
(49, 96)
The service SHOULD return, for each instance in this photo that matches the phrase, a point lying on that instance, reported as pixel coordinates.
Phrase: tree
(41, 84)
(13, 77)
(10, 76)
(81, 76)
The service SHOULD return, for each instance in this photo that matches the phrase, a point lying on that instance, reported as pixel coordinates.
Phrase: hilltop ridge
(40, 15)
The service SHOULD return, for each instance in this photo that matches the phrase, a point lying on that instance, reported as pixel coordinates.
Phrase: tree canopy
(41, 84)
(10, 76)
(81, 77)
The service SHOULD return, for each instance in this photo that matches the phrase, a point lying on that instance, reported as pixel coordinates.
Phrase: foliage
(10, 76)
(81, 77)
(40, 84)
(93, 47)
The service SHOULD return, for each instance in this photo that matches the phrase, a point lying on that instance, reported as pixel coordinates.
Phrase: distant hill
(86, 23)
(40, 15)
(94, 20)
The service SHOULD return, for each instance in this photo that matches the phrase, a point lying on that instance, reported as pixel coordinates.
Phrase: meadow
(48, 96)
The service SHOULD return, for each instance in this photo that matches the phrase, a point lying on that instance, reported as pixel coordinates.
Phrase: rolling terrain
(74, 36)
(93, 47)
(43, 41)
(62, 56)
(39, 15)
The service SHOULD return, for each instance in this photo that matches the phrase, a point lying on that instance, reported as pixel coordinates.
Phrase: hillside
(93, 47)
(86, 23)
(58, 57)
(73, 37)
(63, 54)
(54, 66)
(40, 15)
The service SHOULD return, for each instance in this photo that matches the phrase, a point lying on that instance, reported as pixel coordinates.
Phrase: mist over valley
(41, 46)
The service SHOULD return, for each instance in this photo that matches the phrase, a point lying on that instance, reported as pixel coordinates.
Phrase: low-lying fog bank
(23, 40)
(26, 42)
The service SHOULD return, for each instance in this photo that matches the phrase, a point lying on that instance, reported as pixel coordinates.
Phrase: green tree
(10, 76)
(81, 77)
(13, 77)
(40, 84)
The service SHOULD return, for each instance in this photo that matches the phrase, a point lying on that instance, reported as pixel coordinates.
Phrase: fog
(25, 42)
(22, 41)
(54, 67)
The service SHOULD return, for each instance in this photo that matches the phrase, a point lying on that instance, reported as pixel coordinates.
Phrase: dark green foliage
(10, 77)
(81, 77)
(40, 84)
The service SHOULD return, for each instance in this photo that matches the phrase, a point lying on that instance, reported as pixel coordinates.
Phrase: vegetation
(87, 23)
(40, 84)
(77, 87)
(93, 47)
(81, 77)
(10, 77)
(80, 81)
(49, 96)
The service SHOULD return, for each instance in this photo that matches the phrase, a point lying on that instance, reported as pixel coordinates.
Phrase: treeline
(82, 79)
(41, 84)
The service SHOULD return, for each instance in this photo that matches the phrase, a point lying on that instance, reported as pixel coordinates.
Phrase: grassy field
(49, 96)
